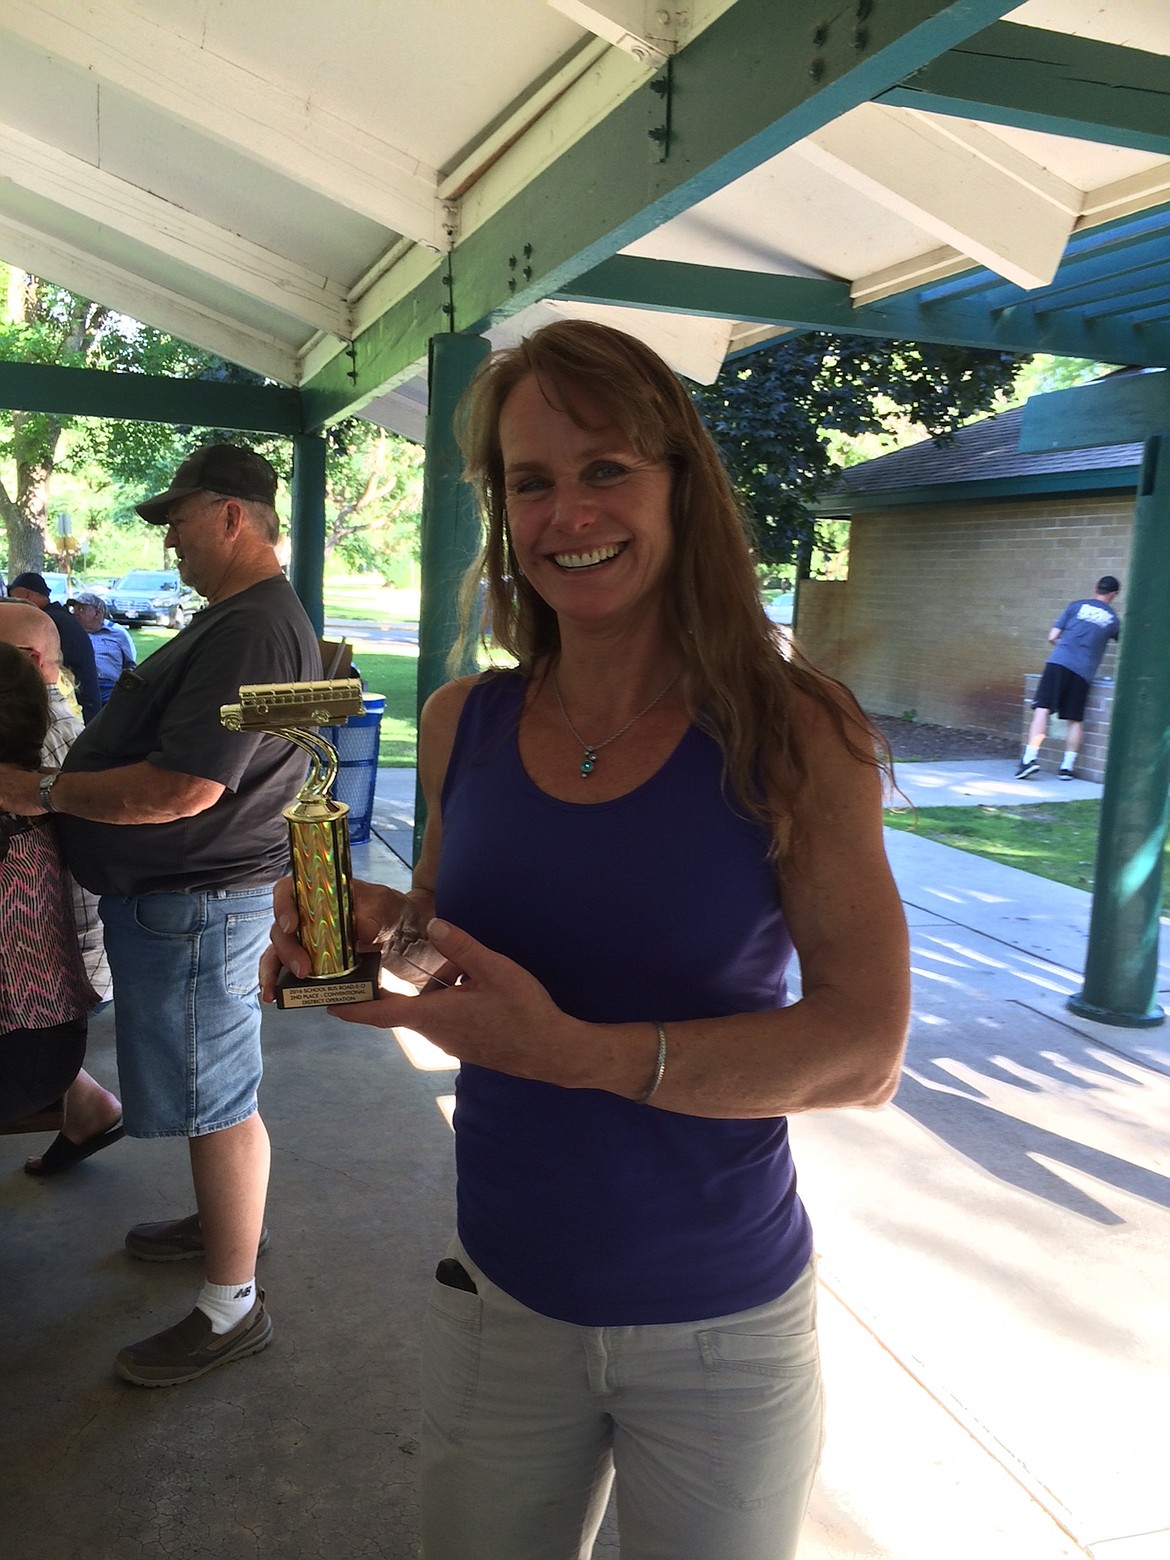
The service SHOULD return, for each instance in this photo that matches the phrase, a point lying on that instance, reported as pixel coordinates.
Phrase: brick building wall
(947, 610)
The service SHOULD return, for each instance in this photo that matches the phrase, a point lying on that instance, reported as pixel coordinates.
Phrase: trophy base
(360, 985)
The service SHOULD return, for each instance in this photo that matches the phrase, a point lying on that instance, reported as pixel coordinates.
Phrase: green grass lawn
(147, 640)
(394, 675)
(1057, 842)
(358, 601)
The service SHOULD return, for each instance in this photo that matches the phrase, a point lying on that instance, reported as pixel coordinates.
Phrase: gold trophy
(318, 839)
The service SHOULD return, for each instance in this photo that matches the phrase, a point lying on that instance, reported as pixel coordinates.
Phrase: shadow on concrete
(1010, 1148)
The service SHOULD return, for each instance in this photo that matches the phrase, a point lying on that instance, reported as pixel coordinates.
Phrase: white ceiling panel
(1132, 24)
(280, 178)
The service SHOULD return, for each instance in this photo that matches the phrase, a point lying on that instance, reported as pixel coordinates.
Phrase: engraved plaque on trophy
(318, 834)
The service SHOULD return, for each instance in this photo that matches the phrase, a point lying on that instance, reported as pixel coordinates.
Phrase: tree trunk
(26, 541)
(36, 436)
(28, 523)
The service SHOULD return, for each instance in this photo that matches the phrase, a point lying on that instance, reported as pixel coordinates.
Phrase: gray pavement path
(986, 782)
(377, 635)
(1003, 1229)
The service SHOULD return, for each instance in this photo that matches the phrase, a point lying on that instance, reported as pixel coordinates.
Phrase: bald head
(34, 632)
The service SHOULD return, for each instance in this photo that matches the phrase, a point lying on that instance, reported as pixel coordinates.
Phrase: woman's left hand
(497, 1015)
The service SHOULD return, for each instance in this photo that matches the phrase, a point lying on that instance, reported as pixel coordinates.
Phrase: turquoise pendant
(588, 763)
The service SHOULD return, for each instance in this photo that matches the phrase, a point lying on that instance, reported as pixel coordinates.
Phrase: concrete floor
(305, 1450)
(995, 1254)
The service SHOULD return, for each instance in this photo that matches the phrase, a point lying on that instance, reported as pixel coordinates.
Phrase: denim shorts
(187, 1007)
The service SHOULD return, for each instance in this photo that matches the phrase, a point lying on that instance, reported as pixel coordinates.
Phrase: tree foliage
(43, 323)
(373, 478)
(774, 416)
(373, 499)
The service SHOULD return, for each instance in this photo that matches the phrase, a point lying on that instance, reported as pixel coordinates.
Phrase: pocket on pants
(762, 1392)
(452, 1329)
(244, 938)
(169, 915)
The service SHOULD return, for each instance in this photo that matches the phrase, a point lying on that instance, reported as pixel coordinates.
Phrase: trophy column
(318, 840)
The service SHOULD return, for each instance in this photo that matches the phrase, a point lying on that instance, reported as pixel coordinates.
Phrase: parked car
(152, 596)
(62, 586)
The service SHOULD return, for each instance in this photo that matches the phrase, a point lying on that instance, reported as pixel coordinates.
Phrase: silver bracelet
(659, 1066)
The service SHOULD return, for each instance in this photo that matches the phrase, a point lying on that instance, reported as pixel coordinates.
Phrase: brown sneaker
(173, 1239)
(191, 1349)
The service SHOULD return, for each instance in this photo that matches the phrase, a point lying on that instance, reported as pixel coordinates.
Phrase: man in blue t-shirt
(1080, 635)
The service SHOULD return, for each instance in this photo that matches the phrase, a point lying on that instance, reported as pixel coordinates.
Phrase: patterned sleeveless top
(42, 979)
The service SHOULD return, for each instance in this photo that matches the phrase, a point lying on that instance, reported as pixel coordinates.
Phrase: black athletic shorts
(1061, 690)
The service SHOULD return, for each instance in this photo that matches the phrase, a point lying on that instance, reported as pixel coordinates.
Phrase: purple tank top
(659, 905)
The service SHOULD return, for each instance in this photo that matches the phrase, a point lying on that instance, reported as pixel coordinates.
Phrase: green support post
(307, 526)
(450, 526)
(1121, 966)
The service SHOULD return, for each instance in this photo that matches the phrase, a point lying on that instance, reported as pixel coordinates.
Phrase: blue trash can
(357, 764)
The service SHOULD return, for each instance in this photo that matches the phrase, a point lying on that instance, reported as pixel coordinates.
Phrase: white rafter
(486, 183)
(954, 180)
(79, 187)
(32, 251)
(262, 118)
(647, 31)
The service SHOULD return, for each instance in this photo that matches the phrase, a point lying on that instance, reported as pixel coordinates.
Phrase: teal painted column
(1121, 967)
(307, 526)
(450, 537)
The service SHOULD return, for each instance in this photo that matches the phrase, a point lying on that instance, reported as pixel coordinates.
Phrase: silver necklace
(589, 762)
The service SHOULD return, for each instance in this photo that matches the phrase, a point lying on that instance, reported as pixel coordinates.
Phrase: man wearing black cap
(177, 824)
(76, 650)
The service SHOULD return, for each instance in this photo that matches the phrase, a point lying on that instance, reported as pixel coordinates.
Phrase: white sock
(226, 1304)
(1030, 752)
(1069, 761)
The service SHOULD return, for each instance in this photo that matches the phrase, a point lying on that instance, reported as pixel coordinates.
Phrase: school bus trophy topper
(318, 838)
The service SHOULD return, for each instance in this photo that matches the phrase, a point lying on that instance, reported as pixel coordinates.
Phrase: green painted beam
(90, 392)
(449, 538)
(1040, 80)
(1112, 411)
(811, 304)
(380, 357)
(678, 287)
(763, 76)
(307, 525)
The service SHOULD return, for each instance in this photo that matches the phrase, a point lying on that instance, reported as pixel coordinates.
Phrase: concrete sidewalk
(990, 782)
(1002, 1231)
(994, 1250)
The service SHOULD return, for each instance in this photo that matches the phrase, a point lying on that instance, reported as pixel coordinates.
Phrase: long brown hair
(24, 709)
(740, 682)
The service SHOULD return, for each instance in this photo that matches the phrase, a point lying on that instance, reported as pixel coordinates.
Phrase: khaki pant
(711, 1431)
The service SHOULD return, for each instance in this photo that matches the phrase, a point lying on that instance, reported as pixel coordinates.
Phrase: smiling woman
(627, 834)
(588, 516)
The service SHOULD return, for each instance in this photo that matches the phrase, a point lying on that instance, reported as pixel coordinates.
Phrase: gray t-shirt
(1086, 627)
(166, 712)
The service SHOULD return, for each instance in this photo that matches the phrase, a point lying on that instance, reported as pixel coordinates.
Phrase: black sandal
(62, 1154)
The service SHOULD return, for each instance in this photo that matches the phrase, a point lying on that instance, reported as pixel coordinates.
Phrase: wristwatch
(45, 790)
